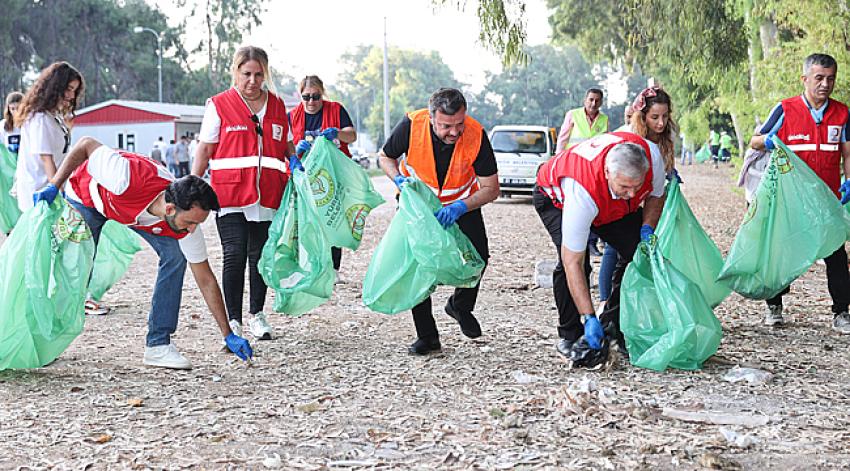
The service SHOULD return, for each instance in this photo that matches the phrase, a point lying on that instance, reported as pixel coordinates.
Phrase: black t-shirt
(399, 142)
(313, 122)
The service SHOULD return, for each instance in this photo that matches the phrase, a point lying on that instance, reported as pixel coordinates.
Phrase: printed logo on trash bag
(751, 211)
(71, 227)
(783, 161)
(323, 187)
(356, 216)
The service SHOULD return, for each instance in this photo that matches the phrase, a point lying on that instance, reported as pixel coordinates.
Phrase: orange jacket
(461, 180)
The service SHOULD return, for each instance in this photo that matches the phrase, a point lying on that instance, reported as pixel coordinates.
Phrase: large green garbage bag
(703, 154)
(115, 250)
(342, 191)
(794, 220)
(296, 260)
(416, 254)
(683, 241)
(9, 212)
(44, 272)
(664, 316)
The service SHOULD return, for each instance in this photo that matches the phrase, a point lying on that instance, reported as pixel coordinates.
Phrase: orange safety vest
(461, 181)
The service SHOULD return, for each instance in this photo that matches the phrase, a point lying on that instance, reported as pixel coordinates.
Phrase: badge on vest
(833, 134)
(157, 230)
(277, 132)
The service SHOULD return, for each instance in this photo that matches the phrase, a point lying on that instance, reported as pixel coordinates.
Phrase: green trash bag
(794, 220)
(115, 250)
(703, 154)
(416, 254)
(44, 271)
(9, 212)
(664, 316)
(342, 191)
(296, 260)
(685, 244)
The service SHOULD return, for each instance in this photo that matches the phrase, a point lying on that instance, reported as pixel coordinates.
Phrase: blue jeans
(606, 271)
(168, 291)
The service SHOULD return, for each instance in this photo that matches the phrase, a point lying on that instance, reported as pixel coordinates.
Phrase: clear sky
(294, 33)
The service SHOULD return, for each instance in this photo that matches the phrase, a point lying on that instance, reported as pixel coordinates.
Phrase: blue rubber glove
(295, 163)
(845, 188)
(593, 331)
(330, 133)
(448, 215)
(768, 142)
(302, 147)
(239, 346)
(400, 180)
(312, 133)
(674, 174)
(47, 193)
(646, 232)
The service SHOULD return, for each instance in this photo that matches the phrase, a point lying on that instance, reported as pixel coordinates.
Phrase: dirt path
(337, 389)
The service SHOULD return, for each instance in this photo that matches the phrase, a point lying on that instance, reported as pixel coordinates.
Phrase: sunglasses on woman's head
(257, 127)
(314, 97)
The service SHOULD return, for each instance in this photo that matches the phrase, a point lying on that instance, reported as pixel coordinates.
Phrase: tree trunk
(738, 133)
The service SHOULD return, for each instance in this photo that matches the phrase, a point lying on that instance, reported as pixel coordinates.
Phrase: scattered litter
(523, 378)
(272, 462)
(543, 273)
(751, 375)
(736, 439)
(717, 418)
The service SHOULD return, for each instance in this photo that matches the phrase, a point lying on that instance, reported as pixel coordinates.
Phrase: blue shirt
(777, 117)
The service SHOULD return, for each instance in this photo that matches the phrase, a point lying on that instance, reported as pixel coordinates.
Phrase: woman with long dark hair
(45, 137)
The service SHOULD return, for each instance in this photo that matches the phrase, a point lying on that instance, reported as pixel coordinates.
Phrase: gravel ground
(336, 388)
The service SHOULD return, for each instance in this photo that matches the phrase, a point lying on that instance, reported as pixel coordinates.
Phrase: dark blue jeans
(168, 291)
(606, 271)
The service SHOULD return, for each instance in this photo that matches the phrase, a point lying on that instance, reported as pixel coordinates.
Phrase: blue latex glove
(295, 163)
(646, 232)
(302, 147)
(400, 180)
(674, 174)
(330, 133)
(768, 142)
(845, 188)
(312, 134)
(239, 346)
(448, 215)
(593, 331)
(47, 193)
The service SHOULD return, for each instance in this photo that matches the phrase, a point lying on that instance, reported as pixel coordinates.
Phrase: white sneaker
(93, 308)
(773, 316)
(236, 327)
(338, 279)
(166, 356)
(841, 323)
(260, 327)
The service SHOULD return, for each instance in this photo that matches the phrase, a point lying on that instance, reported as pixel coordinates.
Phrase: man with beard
(136, 191)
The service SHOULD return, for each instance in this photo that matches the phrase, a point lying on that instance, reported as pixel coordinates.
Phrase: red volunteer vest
(240, 173)
(585, 163)
(330, 119)
(147, 180)
(819, 145)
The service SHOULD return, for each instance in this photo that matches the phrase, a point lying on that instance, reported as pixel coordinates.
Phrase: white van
(520, 150)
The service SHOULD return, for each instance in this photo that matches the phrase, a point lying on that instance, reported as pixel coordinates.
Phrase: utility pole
(386, 87)
(158, 35)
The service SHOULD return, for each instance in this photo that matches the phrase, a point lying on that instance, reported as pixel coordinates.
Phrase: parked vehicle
(520, 150)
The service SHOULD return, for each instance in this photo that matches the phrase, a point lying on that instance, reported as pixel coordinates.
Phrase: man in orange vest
(597, 185)
(450, 152)
(816, 128)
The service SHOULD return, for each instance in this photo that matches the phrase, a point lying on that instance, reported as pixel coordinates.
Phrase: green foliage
(413, 77)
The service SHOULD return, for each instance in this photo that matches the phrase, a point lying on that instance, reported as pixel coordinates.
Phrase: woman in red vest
(315, 116)
(245, 141)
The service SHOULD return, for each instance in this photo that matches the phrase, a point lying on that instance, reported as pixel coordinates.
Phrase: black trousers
(184, 169)
(242, 241)
(463, 300)
(623, 235)
(837, 281)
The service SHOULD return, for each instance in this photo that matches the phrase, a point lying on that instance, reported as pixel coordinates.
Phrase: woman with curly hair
(45, 137)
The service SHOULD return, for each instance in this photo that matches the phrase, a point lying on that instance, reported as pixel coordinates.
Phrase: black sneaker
(468, 323)
(424, 347)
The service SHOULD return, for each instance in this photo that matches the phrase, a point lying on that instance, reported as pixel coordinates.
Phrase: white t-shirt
(42, 133)
(210, 133)
(576, 221)
(112, 171)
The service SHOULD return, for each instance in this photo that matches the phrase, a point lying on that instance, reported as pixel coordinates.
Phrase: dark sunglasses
(314, 97)
(257, 126)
